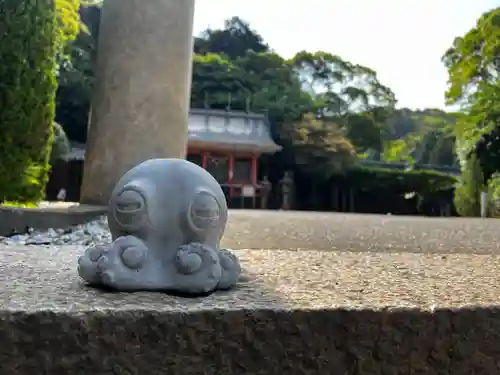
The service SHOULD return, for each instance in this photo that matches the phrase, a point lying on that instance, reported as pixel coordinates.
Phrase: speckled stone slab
(294, 312)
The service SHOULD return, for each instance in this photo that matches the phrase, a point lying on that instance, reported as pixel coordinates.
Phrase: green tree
(60, 145)
(263, 82)
(437, 139)
(364, 131)
(339, 86)
(494, 195)
(349, 94)
(275, 87)
(68, 21)
(436, 148)
(234, 40)
(473, 63)
(218, 83)
(320, 147)
(75, 76)
(468, 192)
(421, 137)
(401, 150)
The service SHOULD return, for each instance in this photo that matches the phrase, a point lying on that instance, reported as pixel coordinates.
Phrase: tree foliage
(60, 145)
(468, 192)
(233, 41)
(348, 93)
(68, 20)
(321, 107)
(255, 78)
(34, 40)
(320, 146)
(27, 88)
(473, 63)
(424, 137)
(340, 86)
(75, 75)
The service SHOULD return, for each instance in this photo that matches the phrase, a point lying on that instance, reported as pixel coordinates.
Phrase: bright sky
(402, 40)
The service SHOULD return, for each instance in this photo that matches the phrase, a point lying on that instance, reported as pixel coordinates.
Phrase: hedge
(397, 181)
(28, 84)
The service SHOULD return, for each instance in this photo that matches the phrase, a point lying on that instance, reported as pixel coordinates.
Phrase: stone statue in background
(166, 217)
(265, 188)
(286, 185)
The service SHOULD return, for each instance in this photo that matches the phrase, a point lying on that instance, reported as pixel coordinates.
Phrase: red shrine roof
(230, 130)
(222, 130)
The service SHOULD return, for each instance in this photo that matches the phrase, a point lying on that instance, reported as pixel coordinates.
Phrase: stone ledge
(293, 313)
(16, 220)
(251, 342)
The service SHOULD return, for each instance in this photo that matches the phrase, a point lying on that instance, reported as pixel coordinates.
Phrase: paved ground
(356, 232)
(34, 279)
(306, 260)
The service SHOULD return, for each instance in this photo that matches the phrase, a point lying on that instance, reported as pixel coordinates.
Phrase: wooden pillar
(254, 178)
(230, 174)
(204, 160)
(254, 169)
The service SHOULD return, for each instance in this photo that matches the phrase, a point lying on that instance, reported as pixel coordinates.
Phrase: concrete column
(142, 90)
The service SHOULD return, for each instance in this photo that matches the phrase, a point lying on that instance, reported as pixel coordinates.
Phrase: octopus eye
(204, 212)
(129, 208)
(129, 201)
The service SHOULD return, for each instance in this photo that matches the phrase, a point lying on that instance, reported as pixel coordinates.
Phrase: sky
(403, 41)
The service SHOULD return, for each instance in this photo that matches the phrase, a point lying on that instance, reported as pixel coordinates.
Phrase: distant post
(484, 204)
(141, 98)
(286, 185)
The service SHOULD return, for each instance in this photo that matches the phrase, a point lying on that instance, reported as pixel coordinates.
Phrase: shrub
(494, 195)
(377, 190)
(468, 192)
(27, 89)
(394, 181)
(60, 145)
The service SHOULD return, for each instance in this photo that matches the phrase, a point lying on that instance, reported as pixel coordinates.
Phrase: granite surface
(294, 312)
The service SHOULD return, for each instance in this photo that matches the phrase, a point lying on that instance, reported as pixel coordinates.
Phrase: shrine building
(227, 144)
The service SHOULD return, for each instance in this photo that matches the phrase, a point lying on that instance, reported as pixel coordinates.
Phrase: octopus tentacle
(199, 268)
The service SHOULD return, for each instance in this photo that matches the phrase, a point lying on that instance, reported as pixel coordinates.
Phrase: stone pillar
(142, 90)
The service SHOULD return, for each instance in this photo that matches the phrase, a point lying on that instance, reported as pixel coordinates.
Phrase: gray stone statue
(166, 217)
(266, 188)
(286, 185)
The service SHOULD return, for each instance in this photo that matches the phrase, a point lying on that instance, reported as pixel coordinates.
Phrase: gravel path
(281, 230)
(356, 232)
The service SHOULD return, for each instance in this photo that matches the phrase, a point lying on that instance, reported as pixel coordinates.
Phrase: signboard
(248, 191)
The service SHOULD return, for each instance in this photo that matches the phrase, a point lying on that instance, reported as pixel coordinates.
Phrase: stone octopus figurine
(166, 218)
